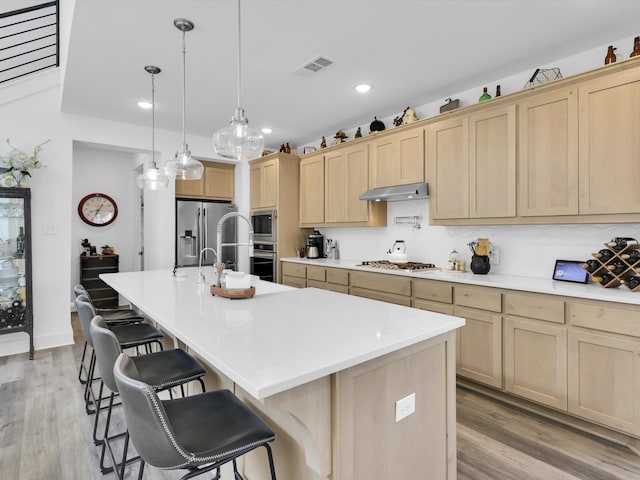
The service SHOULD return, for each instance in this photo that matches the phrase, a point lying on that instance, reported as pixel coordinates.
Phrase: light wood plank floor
(44, 433)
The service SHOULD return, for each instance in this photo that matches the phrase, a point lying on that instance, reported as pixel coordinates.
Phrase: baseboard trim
(18, 342)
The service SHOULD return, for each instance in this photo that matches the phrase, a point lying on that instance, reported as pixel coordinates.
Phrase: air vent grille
(314, 66)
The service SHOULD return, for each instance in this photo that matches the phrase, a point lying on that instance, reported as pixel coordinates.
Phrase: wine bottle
(485, 95)
(617, 267)
(605, 279)
(591, 265)
(632, 282)
(20, 243)
(498, 92)
(636, 47)
(632, 256)
(604, 255)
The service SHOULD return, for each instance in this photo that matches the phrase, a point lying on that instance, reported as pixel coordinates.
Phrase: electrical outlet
(494, 256)
(405, 407)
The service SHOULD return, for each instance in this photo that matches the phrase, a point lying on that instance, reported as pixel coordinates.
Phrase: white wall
(524, 250)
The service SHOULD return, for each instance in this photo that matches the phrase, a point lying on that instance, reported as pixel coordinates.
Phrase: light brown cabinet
(216, 183)
(548, 154)
(609, 145)
(434, 296)
(312, 191)
(378, 286)
(346, 178)
(397, 158)
(264, 183)
(604, 379)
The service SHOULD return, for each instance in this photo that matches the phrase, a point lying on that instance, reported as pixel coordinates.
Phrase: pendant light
(237, 140)
(182, 166)
(153, 178)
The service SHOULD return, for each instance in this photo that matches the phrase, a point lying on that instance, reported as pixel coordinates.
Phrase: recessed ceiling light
(362, 88)
(266, 130)
(144, 104)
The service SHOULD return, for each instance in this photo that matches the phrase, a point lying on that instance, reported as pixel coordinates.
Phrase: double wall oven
(264, 260)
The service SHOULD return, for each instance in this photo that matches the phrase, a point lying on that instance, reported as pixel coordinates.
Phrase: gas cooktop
(409, 266)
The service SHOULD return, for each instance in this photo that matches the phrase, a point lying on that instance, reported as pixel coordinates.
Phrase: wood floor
(44, 433)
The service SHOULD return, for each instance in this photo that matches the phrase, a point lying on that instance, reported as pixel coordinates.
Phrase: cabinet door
(535, 361)
(219, 182)
(449, 169)
(346, 178)
(609, 144)
(604, 379)
(479, 346)
(548, 154)
(190, 188)
(255, 187)
(264, 184)
(492, 163)
(312, 191)
(397, 159)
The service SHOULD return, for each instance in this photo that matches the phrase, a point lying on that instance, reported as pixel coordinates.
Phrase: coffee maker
(315, 245)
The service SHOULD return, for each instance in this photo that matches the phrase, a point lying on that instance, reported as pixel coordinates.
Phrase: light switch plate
(405, 407)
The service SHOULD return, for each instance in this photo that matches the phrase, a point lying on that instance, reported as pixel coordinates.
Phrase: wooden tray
(233, 292)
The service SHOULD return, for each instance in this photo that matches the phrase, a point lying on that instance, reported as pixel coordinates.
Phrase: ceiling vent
(314, 66)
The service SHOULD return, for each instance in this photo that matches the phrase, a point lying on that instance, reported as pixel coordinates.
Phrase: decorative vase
(20, 178)
(480, 264)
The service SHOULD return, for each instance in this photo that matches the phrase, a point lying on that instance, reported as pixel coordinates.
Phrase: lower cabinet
(535, 361)
(604, 379)
(479, 346)
(380, 286)
(294, 275)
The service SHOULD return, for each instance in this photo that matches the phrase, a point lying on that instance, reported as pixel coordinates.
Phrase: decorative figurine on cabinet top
(409, 116)
(339, 137)
(376, 125)
(323, 143)
(358, 133)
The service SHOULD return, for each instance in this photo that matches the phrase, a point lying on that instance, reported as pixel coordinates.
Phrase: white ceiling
(412, 51)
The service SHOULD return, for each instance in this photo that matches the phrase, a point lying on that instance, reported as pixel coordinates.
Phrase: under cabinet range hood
(410, 191)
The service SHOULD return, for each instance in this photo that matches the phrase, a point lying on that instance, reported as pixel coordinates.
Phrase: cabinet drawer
(381, 282)
(382, 296)
(339, 276)
(435, 291)
(99, 261)
(540, 307)
(294, 281)
(294, 270)
(482, 298)
(316, 284)
(623, 320)
(316, 273)
(437, 307)
(338, 288)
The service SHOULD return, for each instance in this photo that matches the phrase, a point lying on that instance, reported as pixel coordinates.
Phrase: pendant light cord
(184, 86)
(239, 56)
(153, 121)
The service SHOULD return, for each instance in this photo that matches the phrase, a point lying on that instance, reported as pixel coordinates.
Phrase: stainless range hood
(411, 191)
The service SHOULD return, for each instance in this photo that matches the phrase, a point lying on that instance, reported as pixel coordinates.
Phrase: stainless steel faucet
(219, 233)
(200, 274)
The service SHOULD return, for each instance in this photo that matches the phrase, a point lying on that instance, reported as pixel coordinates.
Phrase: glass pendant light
(182, 166)
(153, 178)
(237, 140)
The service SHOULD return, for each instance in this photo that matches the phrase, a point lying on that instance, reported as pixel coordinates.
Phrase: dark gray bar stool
(198, 433)
(160, 370)
(111, 315)
(129, 335)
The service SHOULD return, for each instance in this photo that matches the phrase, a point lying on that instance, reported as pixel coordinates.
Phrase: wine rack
(617, 269)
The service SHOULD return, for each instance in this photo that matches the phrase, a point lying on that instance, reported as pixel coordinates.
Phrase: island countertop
(282, 337)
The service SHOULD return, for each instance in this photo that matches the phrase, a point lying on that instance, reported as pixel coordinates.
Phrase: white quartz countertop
(512, 282)
(282, 337)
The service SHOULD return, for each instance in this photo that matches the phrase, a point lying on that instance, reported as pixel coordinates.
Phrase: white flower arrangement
(18, 164)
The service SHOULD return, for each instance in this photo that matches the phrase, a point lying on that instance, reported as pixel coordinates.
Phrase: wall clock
(97, 209)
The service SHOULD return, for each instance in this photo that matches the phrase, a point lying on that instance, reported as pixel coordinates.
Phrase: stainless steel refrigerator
(196, 228)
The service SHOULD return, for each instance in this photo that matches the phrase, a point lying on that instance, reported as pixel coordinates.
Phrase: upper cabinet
(312, 190)
(264, 183)
(216, 183)
(397, 158)
(548, 154)
(331, 183)
(609, 144)
(472, 165)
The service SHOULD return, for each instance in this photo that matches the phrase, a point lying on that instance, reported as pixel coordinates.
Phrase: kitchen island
(325, 369)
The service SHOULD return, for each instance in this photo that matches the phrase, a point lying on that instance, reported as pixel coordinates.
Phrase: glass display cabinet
(15, 263)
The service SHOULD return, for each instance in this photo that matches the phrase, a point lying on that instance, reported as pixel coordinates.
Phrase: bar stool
(111, 315)
(160, 370)
(131, 335)
(198, 433)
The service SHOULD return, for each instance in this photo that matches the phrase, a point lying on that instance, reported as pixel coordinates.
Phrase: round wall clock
(97, 209)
